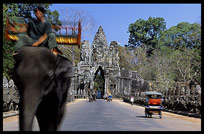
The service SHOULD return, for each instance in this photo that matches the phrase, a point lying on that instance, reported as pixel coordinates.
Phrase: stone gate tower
(97, 57)
(104, 58)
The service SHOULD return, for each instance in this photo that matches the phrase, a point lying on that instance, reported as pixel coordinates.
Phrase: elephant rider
(38, 33)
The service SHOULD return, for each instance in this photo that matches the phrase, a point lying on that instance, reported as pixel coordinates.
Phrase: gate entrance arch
(99, 82)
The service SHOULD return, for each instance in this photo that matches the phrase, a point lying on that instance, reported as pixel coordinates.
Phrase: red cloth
(154, 101)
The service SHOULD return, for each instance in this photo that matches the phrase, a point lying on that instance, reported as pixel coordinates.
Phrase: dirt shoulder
(11, 118)
(191, 119)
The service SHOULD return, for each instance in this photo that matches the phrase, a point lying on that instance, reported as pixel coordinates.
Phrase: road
(101, 115)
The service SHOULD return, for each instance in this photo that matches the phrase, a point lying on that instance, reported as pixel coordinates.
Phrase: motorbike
(109, 98)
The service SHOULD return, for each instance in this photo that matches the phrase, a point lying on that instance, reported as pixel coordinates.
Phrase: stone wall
(130, 82)
(183, 97)
(10, 96)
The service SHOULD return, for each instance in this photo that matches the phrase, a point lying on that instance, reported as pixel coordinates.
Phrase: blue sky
(115, 18)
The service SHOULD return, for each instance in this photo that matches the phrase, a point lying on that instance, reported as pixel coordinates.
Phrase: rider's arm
(41, 39)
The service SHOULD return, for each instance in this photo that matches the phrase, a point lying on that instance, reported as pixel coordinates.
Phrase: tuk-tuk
(153, 103)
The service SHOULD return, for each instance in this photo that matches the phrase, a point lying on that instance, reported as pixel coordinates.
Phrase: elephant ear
(64, 67)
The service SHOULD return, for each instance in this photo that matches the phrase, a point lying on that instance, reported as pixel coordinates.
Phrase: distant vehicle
(109, 98)
(98, 95)
(153, 103)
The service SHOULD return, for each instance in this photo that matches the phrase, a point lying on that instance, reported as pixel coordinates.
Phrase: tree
(185, 40)
(142, 64)
(10, 10)
(146, 32)
(136, 60)
(161, 61)
(181, 36)
(125, 58)
(187, 67)
(175, 53)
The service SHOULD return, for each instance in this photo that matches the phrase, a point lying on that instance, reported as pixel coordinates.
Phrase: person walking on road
(132, 100)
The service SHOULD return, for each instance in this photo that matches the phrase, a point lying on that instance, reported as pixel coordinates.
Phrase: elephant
(43, 80)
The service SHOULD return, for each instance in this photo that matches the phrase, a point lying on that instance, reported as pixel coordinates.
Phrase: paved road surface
(101, 115)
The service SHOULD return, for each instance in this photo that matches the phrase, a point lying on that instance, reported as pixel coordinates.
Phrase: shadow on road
(141, 116)
(148, 117)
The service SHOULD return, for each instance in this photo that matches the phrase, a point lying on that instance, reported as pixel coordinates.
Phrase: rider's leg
(51, 40)
(52, 44)
(24, 40)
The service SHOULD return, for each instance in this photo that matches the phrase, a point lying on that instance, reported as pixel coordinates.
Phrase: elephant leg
(28, 105)
(47, 113)
(61, 113)
(47, 121)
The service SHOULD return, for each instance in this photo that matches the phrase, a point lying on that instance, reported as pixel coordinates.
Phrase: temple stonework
(105, 58)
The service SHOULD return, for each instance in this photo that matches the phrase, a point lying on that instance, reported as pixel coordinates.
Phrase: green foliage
(164, 55)
(54, 17)
(8, 62)
(181, 36)
(146, 32)
(99, 82)
(10, 10)
(185, 42)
